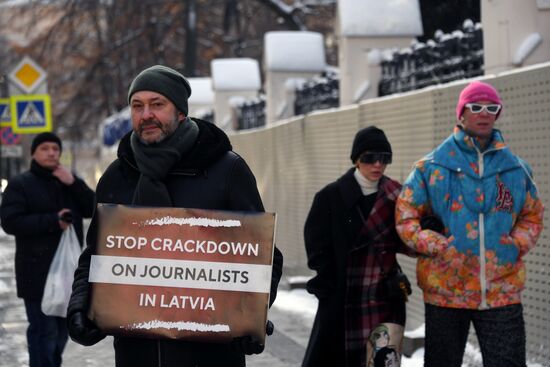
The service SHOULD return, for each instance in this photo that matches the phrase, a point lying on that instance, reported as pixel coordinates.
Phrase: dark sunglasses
(371, 158)
(478, 108)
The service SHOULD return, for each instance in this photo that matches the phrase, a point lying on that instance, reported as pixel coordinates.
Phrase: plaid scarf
(365, 308)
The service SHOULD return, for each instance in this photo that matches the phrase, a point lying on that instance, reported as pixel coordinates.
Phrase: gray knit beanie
(166, 81)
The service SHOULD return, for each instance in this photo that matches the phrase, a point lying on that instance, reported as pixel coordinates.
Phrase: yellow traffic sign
(31, 114)
(28, 75)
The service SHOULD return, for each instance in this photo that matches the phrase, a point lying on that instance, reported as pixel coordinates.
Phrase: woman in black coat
(351, 242)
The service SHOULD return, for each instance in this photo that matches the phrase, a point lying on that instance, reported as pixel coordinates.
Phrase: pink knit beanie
(475, 92)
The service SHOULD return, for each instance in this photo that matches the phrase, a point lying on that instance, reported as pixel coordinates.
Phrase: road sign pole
(3, 94)
(29, 103)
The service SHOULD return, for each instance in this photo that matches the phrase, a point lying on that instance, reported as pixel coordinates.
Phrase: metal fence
(207, 116)
(293, 160)
(453, 56)
(317, 94)
(251, 113)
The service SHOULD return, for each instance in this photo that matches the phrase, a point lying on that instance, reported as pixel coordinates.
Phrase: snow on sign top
(201, 91)
(235, 74)
(380, 18)
(294, 51)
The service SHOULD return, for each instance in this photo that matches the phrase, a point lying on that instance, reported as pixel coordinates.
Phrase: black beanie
(44, 137)
(166, 81)
(370, 138)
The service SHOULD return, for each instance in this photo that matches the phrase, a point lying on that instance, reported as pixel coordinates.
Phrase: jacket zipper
(482, 264)
(482, 261)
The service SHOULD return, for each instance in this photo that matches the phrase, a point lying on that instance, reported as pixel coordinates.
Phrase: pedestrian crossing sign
(5, 116)
(31, 114)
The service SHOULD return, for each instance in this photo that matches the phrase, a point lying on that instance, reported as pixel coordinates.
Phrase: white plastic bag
(59, 282)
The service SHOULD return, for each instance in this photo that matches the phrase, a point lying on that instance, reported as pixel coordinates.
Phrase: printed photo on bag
(384, 345)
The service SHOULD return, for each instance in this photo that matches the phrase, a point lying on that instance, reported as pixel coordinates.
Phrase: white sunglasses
(478, 108)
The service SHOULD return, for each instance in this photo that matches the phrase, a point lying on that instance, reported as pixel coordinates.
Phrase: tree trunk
(190, 38)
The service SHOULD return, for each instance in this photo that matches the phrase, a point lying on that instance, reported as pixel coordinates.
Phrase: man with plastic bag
(169, 160)
(37, 207)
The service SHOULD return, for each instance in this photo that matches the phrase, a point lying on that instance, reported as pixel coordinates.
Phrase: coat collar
(351, 192)
(468, 143)
(349, 188)
(460, 153)
(211, 144)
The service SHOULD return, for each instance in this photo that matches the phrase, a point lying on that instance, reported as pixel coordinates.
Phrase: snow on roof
(380, 18)
(294, 51)
(235, 74)
(201, 91)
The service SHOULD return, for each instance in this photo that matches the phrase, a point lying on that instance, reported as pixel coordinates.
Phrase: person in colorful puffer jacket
(471, 270)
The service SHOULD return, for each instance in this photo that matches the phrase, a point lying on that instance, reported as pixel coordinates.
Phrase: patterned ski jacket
(492, 215)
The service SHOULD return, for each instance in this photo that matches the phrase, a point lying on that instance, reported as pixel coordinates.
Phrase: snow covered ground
(293, 313)
(298, 301)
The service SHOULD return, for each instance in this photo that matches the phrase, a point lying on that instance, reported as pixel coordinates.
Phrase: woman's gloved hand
(433, 223)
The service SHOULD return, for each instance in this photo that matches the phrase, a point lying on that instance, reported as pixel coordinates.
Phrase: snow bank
(527, 46)
(380, 18)
(294, 51)
(201, 91)
(235, 74)
(296, 301)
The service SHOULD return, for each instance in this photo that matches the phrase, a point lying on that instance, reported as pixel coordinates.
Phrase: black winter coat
(29, 210)
(333, 242)
(210, 176)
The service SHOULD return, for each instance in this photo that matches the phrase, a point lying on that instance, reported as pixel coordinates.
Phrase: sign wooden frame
(181, 273)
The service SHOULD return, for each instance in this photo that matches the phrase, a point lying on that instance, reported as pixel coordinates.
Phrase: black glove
(67, 217)
(82, 330)
(269, 327)
(248, 344)
(432, 222)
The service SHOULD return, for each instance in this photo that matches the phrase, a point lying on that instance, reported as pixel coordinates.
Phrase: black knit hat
(166, 81)
(44, 137)
(370, 139)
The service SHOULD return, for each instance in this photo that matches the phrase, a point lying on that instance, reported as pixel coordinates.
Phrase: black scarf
(156, 160)
(38, 170)
(51, 183)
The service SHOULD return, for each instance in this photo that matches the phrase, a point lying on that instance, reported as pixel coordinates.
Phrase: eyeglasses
(478, 108)
(371, 158)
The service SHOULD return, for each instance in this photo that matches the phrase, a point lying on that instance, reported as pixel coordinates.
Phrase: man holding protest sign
(169, 161)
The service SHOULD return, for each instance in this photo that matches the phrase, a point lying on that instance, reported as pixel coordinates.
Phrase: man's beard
(166, 130)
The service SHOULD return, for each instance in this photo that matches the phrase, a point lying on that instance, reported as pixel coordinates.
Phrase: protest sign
(181, 273)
